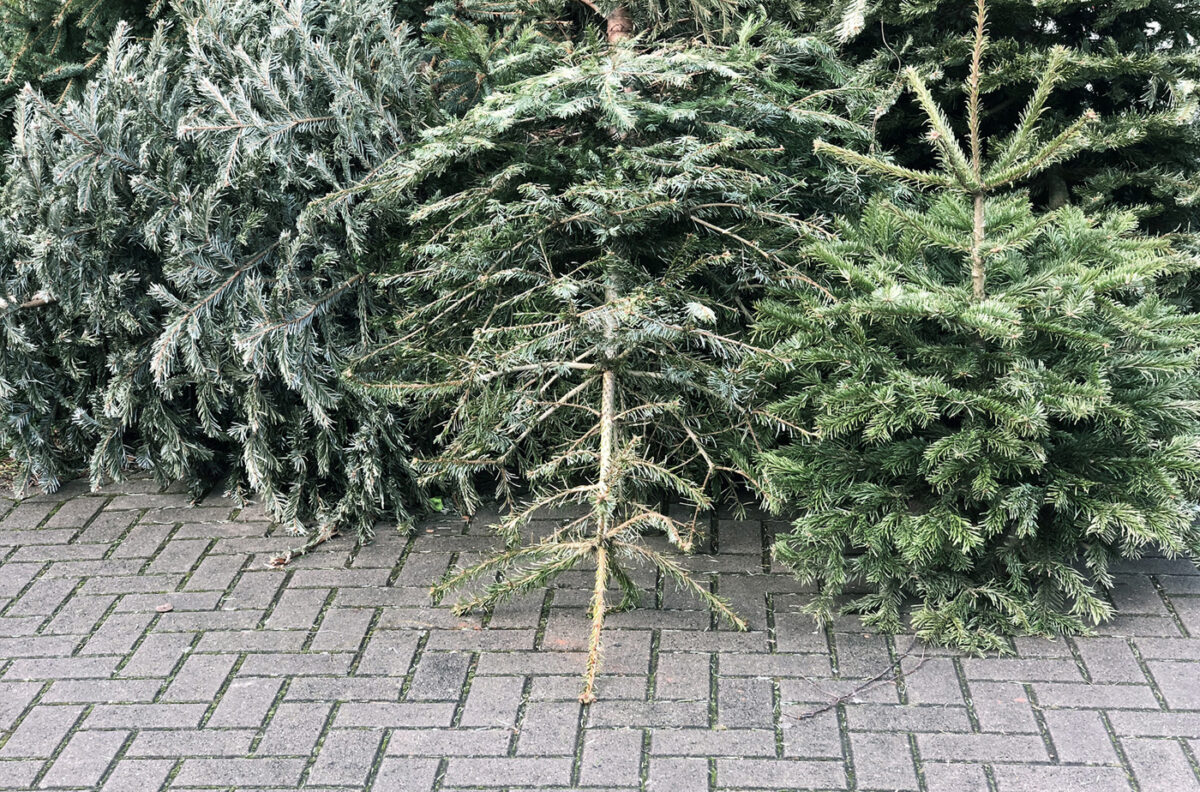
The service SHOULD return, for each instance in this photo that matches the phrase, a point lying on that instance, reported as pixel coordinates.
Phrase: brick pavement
(336, 674)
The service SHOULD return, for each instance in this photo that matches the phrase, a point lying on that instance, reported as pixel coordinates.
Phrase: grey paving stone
(451, 742)
(16, 577)
(40, 732)
(117, 634)
(201, 676)
(43, 597)
(909, 718)
(19, 774)
(1110, 660)
(267, 679)
(1160, 764)
(713, 742)
(1007, 668)
(161, 716)
(178, 555)
(157, 655)
(345, 757)
(75, 513)
(783, 666)
(255, 589)
(670, 774)
(342, 629)
(82, 617)
(779, 774)
(251, 641)
(364, 714)
(982, 747)
(954, 777)
(174, 743)
(84, 760)
(265, 772)
(816, 737)
(650, 714)
(1004, 707)
(142, 541)
(1177, 681)
(439, 676)
(935, 682)
(549, 728)
(38, 646)
(404, 774)
(98, 691)
(138, 775)
(493, 701)
(293, 664)
(1040, 778)
(15, 698)
(62, 668)
(297, 609)
(744, 703)
(883, 761)
(294, 729)
(1155, 724)
(506, 772)
(611, 758)
(1052, 694)
(305, 688)
(27, 515)
(682, 675)
(215, 573)
(245, 702)
(1080, 736)
(107, 527)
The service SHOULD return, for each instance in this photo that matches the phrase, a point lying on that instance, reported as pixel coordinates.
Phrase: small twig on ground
(893, 667)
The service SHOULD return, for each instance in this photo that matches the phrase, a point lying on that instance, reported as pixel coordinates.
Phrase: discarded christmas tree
(1134, 64)
(998, 403)
(579, 297)
(165, 304)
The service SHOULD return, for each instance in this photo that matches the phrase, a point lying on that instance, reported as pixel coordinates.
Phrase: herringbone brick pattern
(336, 673)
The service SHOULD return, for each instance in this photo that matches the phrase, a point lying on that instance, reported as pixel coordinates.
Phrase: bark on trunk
(1059, 194)
(978, 276)
(620, 25)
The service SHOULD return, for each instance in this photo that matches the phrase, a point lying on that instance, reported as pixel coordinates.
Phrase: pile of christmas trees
(626, 262)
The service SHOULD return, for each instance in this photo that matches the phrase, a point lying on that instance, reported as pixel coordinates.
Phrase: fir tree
(52, 44)
(997, 402)
(577, 299)
(166, 303)
(1135, 64)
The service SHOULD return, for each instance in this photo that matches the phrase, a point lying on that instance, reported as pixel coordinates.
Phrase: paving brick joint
(146, 644)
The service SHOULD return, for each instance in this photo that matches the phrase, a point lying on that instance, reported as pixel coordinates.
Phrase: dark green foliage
(170, 305)
(52, 43)
(998, 401)
(1136, 64)
(578, 282)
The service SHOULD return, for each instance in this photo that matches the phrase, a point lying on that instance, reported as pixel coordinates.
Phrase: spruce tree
(55, 44)
(995, 403)
(1135, 64)
(167, 303)
(578, 278)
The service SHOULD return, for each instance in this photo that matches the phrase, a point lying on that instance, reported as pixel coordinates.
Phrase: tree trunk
(1059, 195)
(620, 25)
(977, 230)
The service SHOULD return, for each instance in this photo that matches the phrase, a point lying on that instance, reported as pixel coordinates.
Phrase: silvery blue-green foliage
(578, 275)
(55, 44)
(995, 402)
(169, 305)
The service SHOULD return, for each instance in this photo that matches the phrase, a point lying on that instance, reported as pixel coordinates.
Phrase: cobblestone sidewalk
(335, 673)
